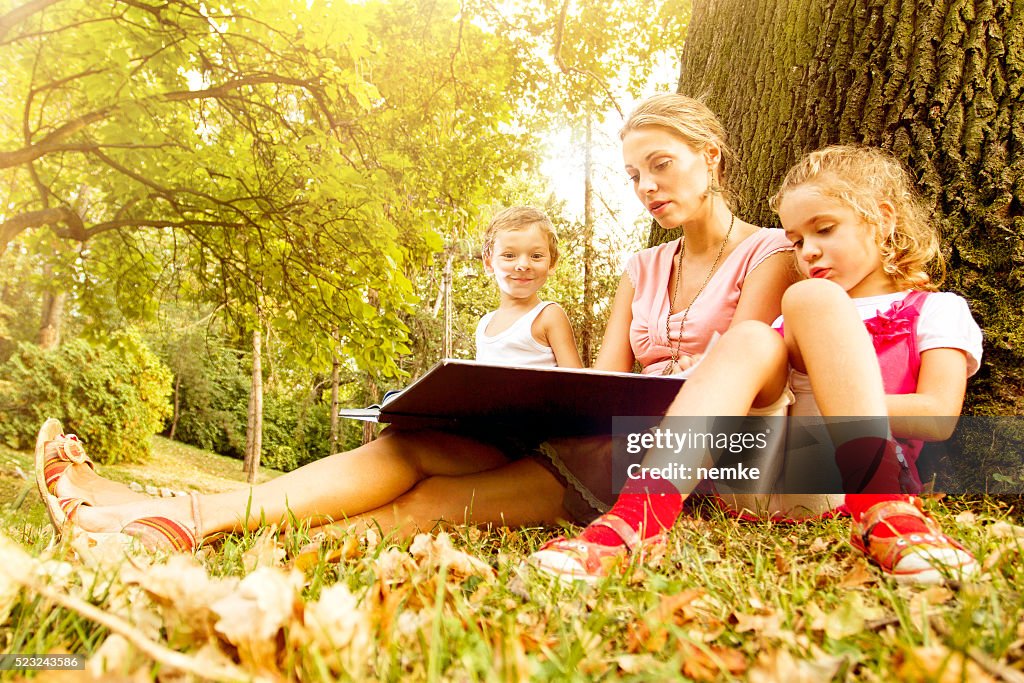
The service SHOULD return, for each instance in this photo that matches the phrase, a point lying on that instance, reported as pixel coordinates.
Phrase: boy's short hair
(520, 218)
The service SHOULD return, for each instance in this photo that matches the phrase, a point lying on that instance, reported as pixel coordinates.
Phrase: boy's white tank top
(516, 345)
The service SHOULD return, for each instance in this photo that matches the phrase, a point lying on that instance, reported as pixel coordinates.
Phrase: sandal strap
(60, 454)
(622, 529)
(162, 533)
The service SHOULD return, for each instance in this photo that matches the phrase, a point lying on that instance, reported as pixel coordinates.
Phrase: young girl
(866, 334)
(520, 249)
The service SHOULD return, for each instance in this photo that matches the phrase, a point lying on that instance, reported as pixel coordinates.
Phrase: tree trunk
(335, 381)
(369, 428)
(177, 407)
(937, 82)
(254, 431)
(587, 333)
(53, 315)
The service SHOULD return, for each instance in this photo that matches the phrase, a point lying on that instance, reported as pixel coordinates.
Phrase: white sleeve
(946, 323)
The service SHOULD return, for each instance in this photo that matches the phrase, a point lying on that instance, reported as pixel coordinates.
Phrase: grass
(725, 600)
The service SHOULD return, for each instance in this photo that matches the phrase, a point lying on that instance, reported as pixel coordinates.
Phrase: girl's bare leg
(746, 368)
(344, 484)
(827, 339)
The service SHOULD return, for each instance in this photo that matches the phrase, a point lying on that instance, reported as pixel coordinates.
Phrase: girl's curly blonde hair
(863, 178)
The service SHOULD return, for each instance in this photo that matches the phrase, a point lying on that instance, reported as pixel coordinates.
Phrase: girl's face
(833, 242)
(520, 262)
(669, 178)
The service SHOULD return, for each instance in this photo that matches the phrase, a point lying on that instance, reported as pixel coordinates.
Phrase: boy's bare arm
(558, 334)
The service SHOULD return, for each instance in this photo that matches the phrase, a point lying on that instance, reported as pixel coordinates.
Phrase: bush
(114, 396)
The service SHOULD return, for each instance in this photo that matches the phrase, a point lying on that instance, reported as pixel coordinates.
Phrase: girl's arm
(616, 354)
(557, 333)
(941, 386)
(761, 296)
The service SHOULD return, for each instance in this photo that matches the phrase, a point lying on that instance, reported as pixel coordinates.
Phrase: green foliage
(211, 393)
(114, 396)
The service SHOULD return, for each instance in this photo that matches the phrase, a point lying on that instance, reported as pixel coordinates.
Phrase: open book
(467, 396)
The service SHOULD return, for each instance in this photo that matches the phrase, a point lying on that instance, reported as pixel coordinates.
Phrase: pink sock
(648, 513)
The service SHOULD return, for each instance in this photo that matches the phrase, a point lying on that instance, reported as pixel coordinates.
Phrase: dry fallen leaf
(265, 551)
(16, 567)
(394, 566)
(779, 665)
(1003, 529)
(858, 576)
(708, 663)
(819, 545)
(437, 551)
(939, 664)
(185, 594)
(933, 595)
(252, 616)
(340, 627)
(966, 518)
(845, 619)
(112, 657)
(782, 563)
(768, 624)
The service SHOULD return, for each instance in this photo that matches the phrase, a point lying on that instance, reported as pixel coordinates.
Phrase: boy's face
(520, 261)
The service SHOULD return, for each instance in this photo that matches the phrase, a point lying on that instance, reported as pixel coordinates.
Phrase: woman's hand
(684, 363)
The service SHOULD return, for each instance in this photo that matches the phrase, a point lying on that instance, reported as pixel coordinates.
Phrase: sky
(563, 167)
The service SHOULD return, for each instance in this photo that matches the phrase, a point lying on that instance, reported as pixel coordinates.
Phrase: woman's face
(668, 176)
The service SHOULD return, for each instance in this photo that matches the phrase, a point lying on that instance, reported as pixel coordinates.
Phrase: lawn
(723, 600)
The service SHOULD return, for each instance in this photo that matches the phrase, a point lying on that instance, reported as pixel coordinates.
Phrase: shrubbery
(213, 399)
(115, 396)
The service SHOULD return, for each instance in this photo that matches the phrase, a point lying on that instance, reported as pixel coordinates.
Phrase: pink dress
(650, 270)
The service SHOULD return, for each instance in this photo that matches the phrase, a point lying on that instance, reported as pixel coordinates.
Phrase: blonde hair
(863, 178)
(688, 119)
(520, 218)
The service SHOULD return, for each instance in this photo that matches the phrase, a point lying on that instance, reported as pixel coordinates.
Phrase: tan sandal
(55, 453)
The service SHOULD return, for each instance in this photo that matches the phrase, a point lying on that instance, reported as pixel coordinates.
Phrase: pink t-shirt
(649, 271)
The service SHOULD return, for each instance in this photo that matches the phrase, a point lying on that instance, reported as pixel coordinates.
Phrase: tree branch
(20, 14)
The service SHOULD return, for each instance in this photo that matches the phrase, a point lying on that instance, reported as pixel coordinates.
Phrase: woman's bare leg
(516, 494)
(80, 481)
(344, 484)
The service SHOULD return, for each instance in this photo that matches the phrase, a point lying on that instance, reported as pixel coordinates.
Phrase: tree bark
(177, 407)
(587, 334)
(254, 431)
(335, 381)
(937, 82)
(370, 428)
(53, 318)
